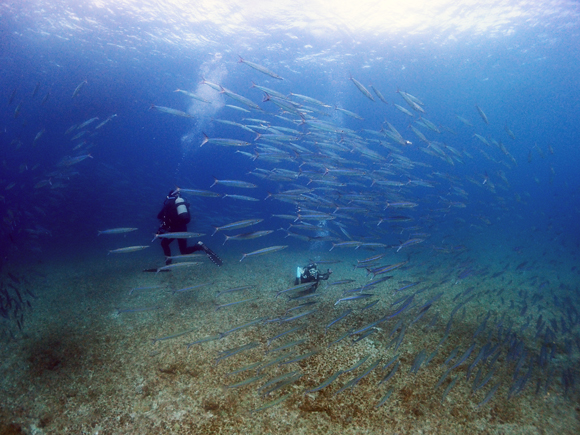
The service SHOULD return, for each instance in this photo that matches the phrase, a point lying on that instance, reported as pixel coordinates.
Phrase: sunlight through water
(186, 23)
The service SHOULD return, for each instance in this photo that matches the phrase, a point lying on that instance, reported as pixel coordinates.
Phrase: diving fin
(212, 255)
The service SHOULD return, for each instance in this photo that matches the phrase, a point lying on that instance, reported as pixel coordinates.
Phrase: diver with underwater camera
(174, 217)
(311, 274)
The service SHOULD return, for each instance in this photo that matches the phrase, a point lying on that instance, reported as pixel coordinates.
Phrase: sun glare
(362, 16)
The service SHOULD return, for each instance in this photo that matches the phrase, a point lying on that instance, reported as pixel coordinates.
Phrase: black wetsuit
(172, 223)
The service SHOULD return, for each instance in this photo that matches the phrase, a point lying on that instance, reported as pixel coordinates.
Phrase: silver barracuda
(170, 111)
(361, 88)
(264, 251)
(260, 68)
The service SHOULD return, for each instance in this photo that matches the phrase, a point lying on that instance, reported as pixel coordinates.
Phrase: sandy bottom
(83, 365)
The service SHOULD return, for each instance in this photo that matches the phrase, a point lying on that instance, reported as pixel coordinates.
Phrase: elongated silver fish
(178, 266)
(296, 287)
(248, 236)
(237, 225)
(379, 94)
(354, 298)
(402, 109)
(246, 382)
(409, 242)
(105, 121)
(235, 303)
(46, 97)
(38, 136)
(234, 183)
(78, 88)
(210, 84)
(411, 101)
(465, 121)
(241, 197)
(264, 251)
(237, 108)
(482, 114)
(271, 404)
(116, 231)
(239, 98)
(178, 235)
(35, 91)
(510, 133)
(260, 68)
(310, 100)
(198, 192)
(170, 111)
(127, 249)
(349, 113)
(78, 135)
(325, 383)
(191, 95)
(361, 88)
(430, 125)
(69, 161)
(70, 129)
(223, 142)
(87, 122)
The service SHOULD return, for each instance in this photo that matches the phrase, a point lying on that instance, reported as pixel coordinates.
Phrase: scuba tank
(298, 275)
(182, 211)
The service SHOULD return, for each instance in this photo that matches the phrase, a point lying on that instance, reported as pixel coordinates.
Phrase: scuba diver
(310, 273)
(174, 217)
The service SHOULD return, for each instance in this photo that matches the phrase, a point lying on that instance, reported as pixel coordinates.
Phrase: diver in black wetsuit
(310, 273)
(174, 217)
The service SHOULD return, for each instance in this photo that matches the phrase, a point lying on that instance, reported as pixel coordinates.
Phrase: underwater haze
(424, 154)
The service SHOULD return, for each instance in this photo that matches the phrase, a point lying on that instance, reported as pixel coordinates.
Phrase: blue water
(518, 63)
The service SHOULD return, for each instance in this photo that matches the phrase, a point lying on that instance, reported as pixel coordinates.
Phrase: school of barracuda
(362, 182)
(349, 179)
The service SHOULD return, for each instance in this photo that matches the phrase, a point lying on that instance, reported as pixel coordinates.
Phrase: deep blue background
(527, 81)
